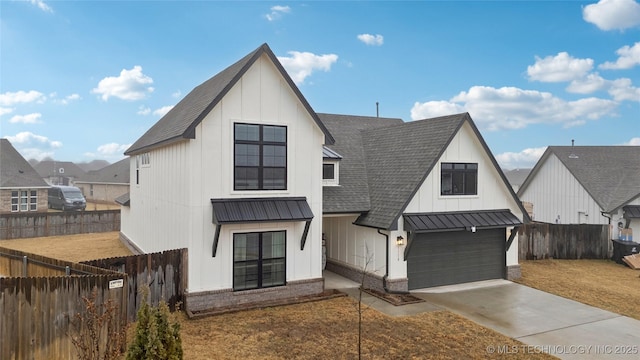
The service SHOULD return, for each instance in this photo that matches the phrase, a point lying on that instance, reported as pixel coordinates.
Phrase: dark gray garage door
(456, 257)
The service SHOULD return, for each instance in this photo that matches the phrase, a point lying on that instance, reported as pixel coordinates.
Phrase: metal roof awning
(252, 210)
(459, 220)
(330, 154)
(631, 211)
(123, 200)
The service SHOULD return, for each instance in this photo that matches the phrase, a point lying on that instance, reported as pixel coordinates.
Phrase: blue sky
(82, 80)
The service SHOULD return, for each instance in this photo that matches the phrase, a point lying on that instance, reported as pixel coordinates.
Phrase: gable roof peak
(180, 122)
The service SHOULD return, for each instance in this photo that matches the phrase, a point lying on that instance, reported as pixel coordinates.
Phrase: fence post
(24, 266)
(67, 270)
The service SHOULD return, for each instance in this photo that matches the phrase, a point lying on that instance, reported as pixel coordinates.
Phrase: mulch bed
(394, 299)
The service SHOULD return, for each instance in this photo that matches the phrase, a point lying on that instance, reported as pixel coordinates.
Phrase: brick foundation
(513, 272)
(207, 300)
(371, 281)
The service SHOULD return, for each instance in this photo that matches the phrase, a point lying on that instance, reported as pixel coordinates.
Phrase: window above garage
(458, 179)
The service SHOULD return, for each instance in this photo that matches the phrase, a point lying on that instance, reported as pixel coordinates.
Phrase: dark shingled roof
(15, 171)
(49, 168)
(384, 162)
(610, 174)
(352, 196)
(116, 173)
(180, 122)
(517, 176)
(398, 160)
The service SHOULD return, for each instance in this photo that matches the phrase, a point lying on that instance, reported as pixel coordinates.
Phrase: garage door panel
(456, 257)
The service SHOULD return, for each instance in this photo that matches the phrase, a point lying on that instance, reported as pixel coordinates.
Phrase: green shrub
(156, 336)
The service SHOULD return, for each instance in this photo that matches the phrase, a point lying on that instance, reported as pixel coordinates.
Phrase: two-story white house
(249, 178)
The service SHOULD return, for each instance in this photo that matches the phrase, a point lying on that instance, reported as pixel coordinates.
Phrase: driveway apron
(562, 327)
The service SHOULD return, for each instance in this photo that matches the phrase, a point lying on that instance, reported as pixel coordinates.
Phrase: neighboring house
(106, 184)
(586, 185)
(21, 187)
(418, 204)
(248, 177)
(516, 177)
(59, 172)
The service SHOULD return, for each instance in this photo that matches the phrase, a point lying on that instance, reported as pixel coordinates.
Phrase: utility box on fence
(623, 248)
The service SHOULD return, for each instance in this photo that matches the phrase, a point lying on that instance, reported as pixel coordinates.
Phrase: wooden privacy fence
(37, 224)
(38, 313)
(164, 273)
(560, 241)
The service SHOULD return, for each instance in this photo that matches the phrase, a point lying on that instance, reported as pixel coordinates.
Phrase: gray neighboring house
(106, 184)
(59, 172)
(516, 177)
(586, 185)
(21, 187)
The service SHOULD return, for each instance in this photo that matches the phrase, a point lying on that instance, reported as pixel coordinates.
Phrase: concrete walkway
(549, 323)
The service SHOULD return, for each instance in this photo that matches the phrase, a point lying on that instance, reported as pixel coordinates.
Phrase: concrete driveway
(549, 323)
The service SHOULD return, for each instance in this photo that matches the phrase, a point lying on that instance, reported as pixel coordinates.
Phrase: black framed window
(259, 260)
(458, 179)
(260, 157)
(328, 171)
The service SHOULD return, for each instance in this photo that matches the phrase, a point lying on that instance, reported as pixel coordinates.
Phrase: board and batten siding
(348, 244)
(493, 193)
(171, 208)
(558, 197)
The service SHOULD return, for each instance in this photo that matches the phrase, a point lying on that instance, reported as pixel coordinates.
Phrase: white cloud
(35, 153)
(432, 109)
(163, 110)
(33, 118)
(514, 108)
(130, 85)
(629, 57)
(374, 40)
(4, 110)
(66, 100)
(559, 68)
(277, 12)
(176, 94)
(41, 5)
(18, 97)
(144, 110)
(613, 14)
(634, 142)
(588, 84)
(302, 64)
(113, 149)
(622, 89)
(524, 159)
(28, 138)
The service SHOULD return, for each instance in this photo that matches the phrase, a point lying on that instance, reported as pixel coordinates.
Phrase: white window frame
(336, 173)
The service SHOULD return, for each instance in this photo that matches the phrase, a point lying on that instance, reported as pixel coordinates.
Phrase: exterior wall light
(399, 241)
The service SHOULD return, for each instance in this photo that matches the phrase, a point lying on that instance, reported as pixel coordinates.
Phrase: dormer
(330, 167)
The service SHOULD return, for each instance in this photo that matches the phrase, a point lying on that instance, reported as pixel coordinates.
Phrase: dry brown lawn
(75, 248)
(600, 283)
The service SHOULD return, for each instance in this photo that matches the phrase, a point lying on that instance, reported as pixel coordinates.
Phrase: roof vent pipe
(572, 142)
(377, 109)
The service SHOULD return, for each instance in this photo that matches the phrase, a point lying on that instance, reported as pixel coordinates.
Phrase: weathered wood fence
(560, 241)
(37, 224)
(165, 275)
(38, 313)
(40, 296)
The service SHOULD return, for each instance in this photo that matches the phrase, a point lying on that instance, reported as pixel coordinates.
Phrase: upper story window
(330, 173)
(260, 157)
(458, 179)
